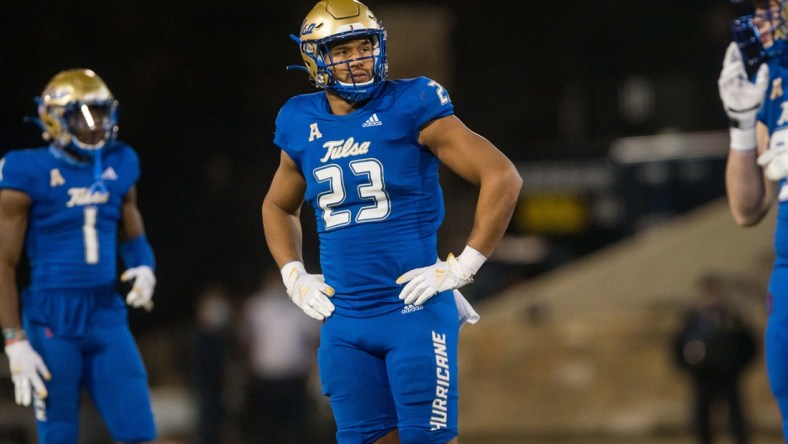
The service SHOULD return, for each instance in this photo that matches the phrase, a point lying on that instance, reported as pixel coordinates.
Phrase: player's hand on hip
(308, 291)
(144, 282)
(423, 283)
(740, 97)
(27, 368)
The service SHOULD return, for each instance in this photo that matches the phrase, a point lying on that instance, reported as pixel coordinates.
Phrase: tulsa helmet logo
(310, 28)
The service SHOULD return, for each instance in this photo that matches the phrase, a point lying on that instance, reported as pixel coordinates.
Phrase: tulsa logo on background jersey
(83, 196)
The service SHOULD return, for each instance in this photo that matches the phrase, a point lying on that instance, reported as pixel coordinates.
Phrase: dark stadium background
(200, 83)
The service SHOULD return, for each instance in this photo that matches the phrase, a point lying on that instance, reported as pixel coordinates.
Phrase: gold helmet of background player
(77, 109)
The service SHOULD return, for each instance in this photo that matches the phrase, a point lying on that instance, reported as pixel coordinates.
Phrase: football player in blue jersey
(757, 165)
(72, 206)
(364, 153)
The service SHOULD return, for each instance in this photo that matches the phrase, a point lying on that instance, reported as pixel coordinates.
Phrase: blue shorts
(393, 371)
(105, 361)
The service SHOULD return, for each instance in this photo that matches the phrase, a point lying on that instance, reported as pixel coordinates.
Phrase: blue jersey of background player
(365, 155)
(757, 164)
(72, 206)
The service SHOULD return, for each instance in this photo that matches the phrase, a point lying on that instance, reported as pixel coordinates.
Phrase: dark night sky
(200, 82)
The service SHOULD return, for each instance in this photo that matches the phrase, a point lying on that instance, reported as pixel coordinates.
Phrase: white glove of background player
(27, 367)
(774, 161)
(141, 293)
(308, 291)
(740, 97)
(423, 283)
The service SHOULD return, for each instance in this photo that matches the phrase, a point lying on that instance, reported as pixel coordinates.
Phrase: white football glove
(740, 97)
(27, 367)
(141, 294)
(774, 161)
(308, 291)
(423, 283)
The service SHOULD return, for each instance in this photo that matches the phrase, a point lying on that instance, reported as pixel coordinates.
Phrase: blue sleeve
(283, 128)
(14, 172)
(434, 101)
(127, 159)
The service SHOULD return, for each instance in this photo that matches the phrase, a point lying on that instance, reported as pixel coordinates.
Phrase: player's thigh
(422, 367)
(116, 379)
(356, 383)
(57, 416)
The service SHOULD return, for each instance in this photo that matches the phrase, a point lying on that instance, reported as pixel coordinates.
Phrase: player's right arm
(25, 364)
(283, 233)
(282, 210)
(750, 192)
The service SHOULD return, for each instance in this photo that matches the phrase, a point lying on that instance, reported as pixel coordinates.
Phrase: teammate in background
(365, 154)
(73, 204)
(757, 164)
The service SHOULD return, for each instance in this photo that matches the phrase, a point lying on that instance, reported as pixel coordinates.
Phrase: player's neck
(340, 106)
(71, 155)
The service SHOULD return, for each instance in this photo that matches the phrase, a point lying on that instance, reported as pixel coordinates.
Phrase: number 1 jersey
(72, 233)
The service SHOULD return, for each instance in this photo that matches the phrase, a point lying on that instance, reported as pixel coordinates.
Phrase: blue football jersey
(72, 234)
(774, 113)
(373, 187)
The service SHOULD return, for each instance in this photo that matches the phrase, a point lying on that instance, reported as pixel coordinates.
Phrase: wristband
(136, 252)
(471, 260)
(11, 335)
(742, 139)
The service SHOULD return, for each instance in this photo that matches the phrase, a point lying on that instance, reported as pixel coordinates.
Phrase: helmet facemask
(762, 35)
(88, 126)
(327, 68)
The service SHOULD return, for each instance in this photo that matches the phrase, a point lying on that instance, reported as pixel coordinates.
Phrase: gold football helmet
(77, 109)
(330, 22)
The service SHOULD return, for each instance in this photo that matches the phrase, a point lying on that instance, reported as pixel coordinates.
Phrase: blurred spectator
(281, 342)
(715, 345)
(212, 318)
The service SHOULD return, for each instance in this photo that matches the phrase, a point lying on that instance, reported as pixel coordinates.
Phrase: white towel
(464, 310)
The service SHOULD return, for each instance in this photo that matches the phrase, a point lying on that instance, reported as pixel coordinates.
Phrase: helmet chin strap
(77, 157)
(98, 169)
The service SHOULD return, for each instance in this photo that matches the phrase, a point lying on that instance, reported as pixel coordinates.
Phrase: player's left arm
(477, 160)
(136, 253)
